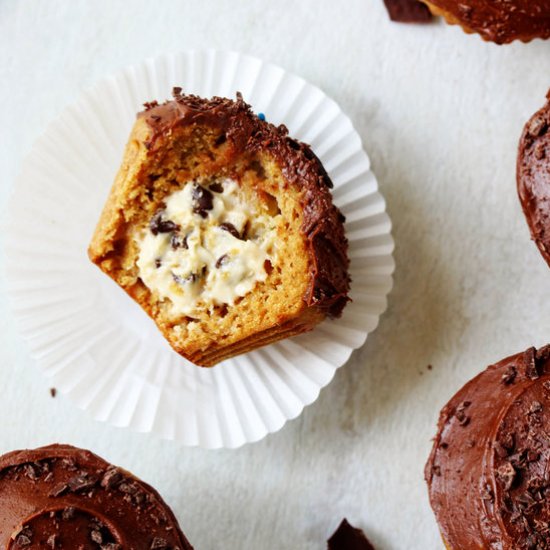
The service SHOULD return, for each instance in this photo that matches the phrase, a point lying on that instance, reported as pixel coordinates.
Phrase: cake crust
(239, 145)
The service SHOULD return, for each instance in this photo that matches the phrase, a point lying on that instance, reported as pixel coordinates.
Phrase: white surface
(440, 114)
(96, 345)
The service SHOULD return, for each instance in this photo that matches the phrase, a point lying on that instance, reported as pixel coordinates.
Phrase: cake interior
(210, 243)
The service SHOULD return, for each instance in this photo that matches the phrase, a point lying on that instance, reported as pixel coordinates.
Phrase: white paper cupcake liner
(96, 345)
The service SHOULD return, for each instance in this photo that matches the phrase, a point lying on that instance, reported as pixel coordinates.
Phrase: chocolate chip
(96, 536)
(191, 278)
(203, 201)
(32, 471)
(68, 513)
(216, 187)
(231, 229)
(487, 493)
(53, 392)
(176, 91)
(221, 260)
(159, 544)
(158, 262)
(82, 482)
(537, 125)
(509, 376)
(506, 474)
(158, 225)
(178, 241)
(59, 489)
(220, 140)
(111, 478)
(268, 266)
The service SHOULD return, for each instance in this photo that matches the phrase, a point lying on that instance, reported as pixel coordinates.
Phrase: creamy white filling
(206, 248)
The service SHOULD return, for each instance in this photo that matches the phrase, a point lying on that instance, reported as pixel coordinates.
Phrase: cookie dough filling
(207, 247)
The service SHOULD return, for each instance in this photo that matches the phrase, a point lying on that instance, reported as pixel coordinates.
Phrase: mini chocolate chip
(203, 200)
(231, 229)
(158, 225)
(83, 482)
(191, 278)
(178, 241)
(68, 513)
(159, 544)
(158, 262)
(537, 125)
(221, 260)
(59, 489)
(506, 475)
(216, 187)
(53, 392)
(509, 376)
(268, 266)
(110, 478)
(487, 493)
(176, 91)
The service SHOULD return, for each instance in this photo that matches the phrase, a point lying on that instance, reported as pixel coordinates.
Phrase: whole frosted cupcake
(61, 497)
(489, 470)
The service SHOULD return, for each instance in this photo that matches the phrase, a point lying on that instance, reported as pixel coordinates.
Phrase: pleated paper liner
(96, 345)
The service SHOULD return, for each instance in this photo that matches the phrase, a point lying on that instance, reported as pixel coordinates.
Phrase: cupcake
(222, 228)
(67, 498)
(499, 21)
(489, 470)
(533, 177)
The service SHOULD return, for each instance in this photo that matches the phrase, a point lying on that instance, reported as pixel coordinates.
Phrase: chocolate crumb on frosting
(347, 537)
(62, 497)
(496, 494)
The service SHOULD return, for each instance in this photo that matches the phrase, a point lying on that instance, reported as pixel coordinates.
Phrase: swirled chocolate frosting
(489, 471)
(499, 21)
(533, 177)
(323, 222)
(61, 497)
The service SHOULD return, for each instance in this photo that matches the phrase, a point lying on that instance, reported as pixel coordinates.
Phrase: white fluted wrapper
(97, 346)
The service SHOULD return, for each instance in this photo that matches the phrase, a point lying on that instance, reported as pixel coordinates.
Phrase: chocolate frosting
(533, 177)
(63, 497)
(500, 21)
(489, 470)
(323, 222)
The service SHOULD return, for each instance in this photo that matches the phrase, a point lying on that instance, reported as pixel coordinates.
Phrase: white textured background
(440, 114)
